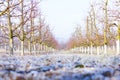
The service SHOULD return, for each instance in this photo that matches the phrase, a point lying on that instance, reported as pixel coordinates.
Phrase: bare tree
(19, 24)
(3, 11)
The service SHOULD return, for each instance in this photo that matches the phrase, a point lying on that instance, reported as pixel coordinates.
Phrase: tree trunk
(22, 25)
(5, 48)
(118, 46)
(88, 50)
(29, 47)
(91, 49)
(118, 40)
(106, 27)
(10, 30)
(98, 50)
(105, 49)
(22, 48)
(11, 45)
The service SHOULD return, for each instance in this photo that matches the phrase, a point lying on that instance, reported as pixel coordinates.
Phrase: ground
(60, 66)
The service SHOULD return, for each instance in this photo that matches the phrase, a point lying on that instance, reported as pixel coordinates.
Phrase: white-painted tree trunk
(22, 48)
(105, 49)
(98, 50)
(85, 50)
(34, 49)
(29, 47)
(11, 45)
(91, 49)
(88, 50)
(118, 47)
(113, 48)
(5, 48)
(40, 47)
(82, 51)
(44, 47)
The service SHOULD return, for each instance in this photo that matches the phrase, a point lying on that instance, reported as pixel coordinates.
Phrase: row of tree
(21, 23)
(101, 26)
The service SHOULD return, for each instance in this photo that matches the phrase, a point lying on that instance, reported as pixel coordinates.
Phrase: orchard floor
(60, 66)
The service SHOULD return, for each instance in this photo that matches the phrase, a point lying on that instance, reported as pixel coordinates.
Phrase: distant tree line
(100, 28)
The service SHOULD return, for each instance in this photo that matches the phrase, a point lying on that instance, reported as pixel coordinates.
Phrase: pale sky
(64, 15)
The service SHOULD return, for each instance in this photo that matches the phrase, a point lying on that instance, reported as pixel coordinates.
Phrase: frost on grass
(60, 67)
